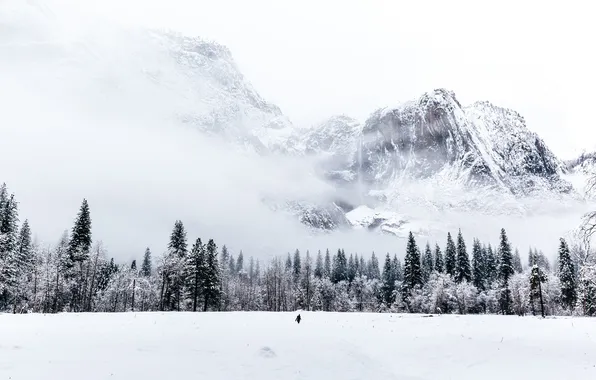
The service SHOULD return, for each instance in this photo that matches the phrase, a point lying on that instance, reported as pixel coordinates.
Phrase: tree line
(76, 275)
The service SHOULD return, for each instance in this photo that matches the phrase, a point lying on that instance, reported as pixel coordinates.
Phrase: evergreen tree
(427, 263)
(439, 262)
(478, 266)
(517, 264)
(388, 286)
(211, 279)
(297, 266)
(240, 263)
(352, 268)
(80, 237)
(463, 271)
(492, 265)
(178, 245)
(146, 267)
(319, 266)
(327, 265)
(289, 263)
(506, 271)
(8, 248)
(412, 270)
(374, 272)
(25, 256)
(397, 269)
(363, 270)
(195, 272)
(450, 256)
(133, 266)
(567, 276)
(537, 278)
(340, 267)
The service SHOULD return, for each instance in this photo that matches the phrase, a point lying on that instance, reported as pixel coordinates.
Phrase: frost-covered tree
(478, 266)
(388, 278)
(587, 289)
(517, 264)
(172, 277)
(506, 271)
(195, 271)
(146, 267)
(327, 265)
(537, 278)
(211, 280)
(463, 271)
(567, 276)
(450, 256)
(340, 267)
(412, 270)
(319, 266)
(439, 262)
(427, 263)
(374, 270)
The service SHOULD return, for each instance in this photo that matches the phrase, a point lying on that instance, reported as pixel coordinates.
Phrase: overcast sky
(316, 58)
(83, 121)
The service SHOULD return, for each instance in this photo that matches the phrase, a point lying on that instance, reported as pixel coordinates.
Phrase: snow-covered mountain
(435, 153)
(230, 106)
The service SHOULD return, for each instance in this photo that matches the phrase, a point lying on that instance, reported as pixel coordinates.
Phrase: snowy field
(262, 346)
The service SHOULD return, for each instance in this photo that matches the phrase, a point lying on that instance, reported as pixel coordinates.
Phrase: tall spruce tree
(195, 272)
(478, 266)
(297, 266)
(340, 267)
(146, 267)
(567, 276)
(439, 262)
(319, 266)
(396, 264)
(80, 236)
(517, 263)
(327, 265)
(172, 276)
(450, 256)
(412, 270)
(506, 271)
(492, 265)
(211, 279)
(374, 271)
(463, 272)
(427, 263)
(240, 262)
(352, 269)
(537, 278)
(8, 246)
(388, 286)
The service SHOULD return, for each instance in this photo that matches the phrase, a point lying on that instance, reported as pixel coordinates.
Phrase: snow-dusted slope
(228, 103)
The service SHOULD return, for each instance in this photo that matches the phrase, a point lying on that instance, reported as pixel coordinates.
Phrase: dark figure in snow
(298, 319)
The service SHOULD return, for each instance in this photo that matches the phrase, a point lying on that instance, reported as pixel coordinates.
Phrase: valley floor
(262, 346)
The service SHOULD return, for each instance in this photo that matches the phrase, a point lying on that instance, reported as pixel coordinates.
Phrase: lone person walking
(298, 318)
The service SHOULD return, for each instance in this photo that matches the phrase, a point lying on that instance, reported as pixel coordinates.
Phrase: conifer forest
(199, 274)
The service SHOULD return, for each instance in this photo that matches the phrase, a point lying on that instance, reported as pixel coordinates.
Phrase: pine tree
(506, 271)
(374, 272)
(463, 271)
(240, 263)
(492, 265)
(478, 266)
(178, 245)
(439, 262)
(340, 267)
(427, 263)
(352, 268)
(327, 265)
(146, 267)
(297, 266)
(412, 270)
(172, 278)
(133, 266)
(517, 264)
(211, 280)
(319, 266)
(80, 237)
(195, 272)
(388, 286)
(8, 249)
(567, 276)
(450, 256)
(397, 269)
(537, 278)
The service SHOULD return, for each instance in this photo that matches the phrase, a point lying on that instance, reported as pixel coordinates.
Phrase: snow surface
(258, 345)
